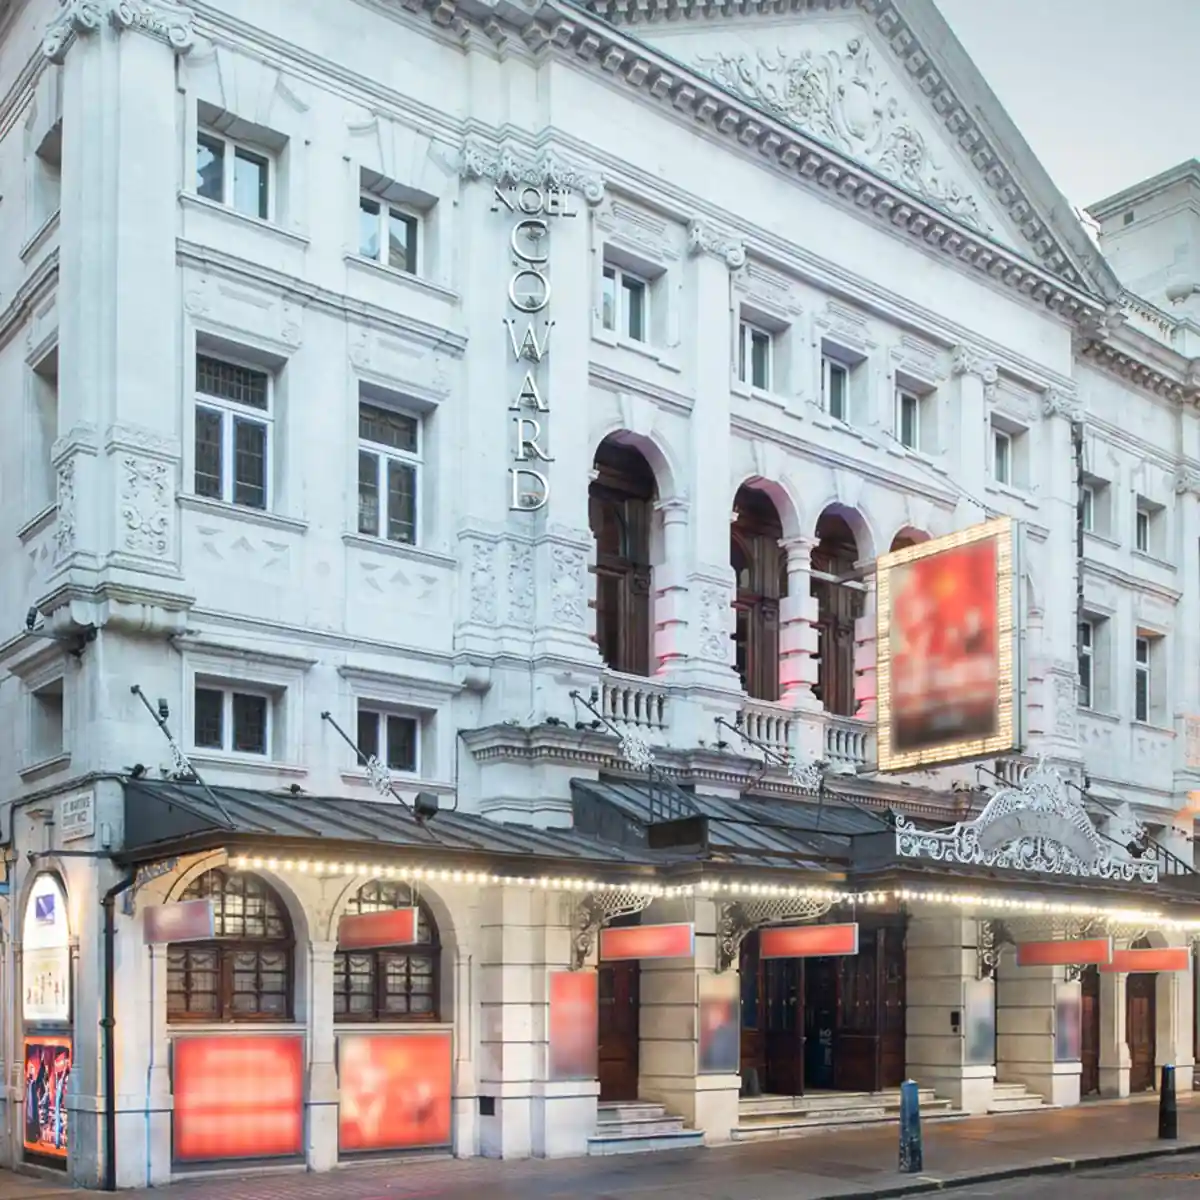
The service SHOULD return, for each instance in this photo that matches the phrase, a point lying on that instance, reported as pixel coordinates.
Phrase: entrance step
(767, 1117)
(1015, 1097)
(637, 1127)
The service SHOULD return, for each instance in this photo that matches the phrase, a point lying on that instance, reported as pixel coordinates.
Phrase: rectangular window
(908, 419)
(624, 305)
(1087, 647)
(226, 719)
(390, 738)
(233, 175)
(387, 234)
(1141, 680)
(389, 472)
(1001, 456)
(754, 357)
(835, 389)
(46, 734)
(1141, 530)
(1087, 507)
(233, 422)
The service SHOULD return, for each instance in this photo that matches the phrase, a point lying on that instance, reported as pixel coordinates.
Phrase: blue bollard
(1168, 1113)
(911, 1155)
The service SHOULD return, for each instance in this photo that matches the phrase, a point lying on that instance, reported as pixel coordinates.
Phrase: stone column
(322, 1150)
(1173, 1033)
(866, 687)
(671, 589)
(798, 646)
(669, 994)
(942, 961)
(977, 378)
(1114, 1050)
(1025, 1003)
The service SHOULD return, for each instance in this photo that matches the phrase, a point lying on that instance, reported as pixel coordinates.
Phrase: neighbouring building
(459, 454)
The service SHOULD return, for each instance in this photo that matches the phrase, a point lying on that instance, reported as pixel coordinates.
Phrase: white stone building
(509, 394)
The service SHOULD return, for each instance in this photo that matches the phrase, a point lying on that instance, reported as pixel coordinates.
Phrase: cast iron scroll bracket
(597, 909)
(737, 918)
(145, 875)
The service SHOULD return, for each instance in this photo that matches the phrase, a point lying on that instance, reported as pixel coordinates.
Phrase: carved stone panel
(147, 507)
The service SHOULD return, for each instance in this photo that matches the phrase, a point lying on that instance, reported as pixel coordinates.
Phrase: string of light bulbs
(722, 889)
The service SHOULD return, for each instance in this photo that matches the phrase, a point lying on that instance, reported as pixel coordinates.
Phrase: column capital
(704, 238)
(802, 544)
(1186, 481)
(165, 20)
(509, 167)
(969, 361)
(673, 508)
(1061, 402)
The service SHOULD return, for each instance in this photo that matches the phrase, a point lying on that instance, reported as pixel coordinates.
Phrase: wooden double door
(826, 1023)
(1141, 1020)
(1089, 1079)
(618, 1031)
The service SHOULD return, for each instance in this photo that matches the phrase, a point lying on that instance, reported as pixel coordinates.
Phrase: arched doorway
(1141, 1021)
(620, 510)
(838, 607)
(760, 567)
(1089, 1080)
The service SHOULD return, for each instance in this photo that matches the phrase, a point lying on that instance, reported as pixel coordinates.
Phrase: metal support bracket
(145, 875)
(595, 910)
(739, 917)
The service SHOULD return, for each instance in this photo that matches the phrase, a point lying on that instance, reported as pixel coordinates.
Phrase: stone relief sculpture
(839, 97)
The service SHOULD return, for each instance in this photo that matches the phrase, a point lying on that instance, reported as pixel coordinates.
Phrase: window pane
(1142, 696)
(1001, 457)
(402, 743)
(227, 381)
(208, 453)
(635, 309)
(368, 228)
(836, 398)
(743, 334)
(760, 357)
(396, 430)
(210, 168)
(249, 463)
(250, 723)
(402, 241)
(1087, 505)
(250, 184)
(209, 723)
(368, 493)
(608, 299)
(368, 733)
(908, 421)
(402, 502)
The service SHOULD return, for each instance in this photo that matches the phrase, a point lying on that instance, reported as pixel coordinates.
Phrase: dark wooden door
(1140, 1021)
(783, 983)
(618, 1049)
(820, 1024)
(1089, 1080)
(754, 1038)
(858, 1016)
(893, 1008)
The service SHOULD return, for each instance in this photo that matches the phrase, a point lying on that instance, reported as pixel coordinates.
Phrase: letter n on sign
(1091, 952)
(808, 941)
(373, 931)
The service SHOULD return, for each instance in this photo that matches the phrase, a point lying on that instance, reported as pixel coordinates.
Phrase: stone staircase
(636, 1127)
(1014, 1097)
(765, 1117)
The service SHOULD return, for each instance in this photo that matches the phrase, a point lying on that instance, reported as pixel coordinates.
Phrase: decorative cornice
(704, 238)
(1142, 374)
(509, 167)
(163, 19)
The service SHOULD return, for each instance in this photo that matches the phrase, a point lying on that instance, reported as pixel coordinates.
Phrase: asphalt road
(1158, 1179)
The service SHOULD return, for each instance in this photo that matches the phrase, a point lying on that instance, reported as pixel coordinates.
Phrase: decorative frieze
(509, 167)
(162, 19)
(1061, 402)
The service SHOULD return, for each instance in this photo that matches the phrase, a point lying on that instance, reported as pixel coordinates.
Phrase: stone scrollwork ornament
(163, 19)
(738, 918)
(597, 909)
(509, 168)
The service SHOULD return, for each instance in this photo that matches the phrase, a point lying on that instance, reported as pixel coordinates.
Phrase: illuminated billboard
(948, 648)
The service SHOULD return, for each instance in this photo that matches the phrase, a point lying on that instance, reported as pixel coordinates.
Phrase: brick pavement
(824, 1164)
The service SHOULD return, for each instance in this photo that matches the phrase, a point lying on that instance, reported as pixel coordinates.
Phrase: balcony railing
(630, 700)
(770, 725)
(848, 742)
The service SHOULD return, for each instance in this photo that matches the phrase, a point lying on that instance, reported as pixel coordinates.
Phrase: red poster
(808, 941)
(574, 1024)
(1090, 952)
(944, 646)
(395, 1091)
(369, 931)
(238, 1097)
(647, 941)
(47, 1073)
(1134, 962)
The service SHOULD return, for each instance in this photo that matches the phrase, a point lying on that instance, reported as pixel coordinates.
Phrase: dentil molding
(165, 20)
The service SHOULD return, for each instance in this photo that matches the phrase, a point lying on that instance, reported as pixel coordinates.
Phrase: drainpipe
(107, 1024)
(1077, 446)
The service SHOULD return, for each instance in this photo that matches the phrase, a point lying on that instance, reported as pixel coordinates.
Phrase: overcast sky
(1102, 90)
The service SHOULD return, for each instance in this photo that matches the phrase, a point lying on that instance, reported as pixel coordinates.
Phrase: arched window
(760, 565)
(394, 984)
(245, 972)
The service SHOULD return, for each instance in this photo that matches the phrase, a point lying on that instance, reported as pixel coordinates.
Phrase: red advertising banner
(1086, 953)
(647, 941)
(238, 1097)
(574, 1025)
(395, 1090)
(47, 1073)
(1145, 962)
(808, 941)
(185, 921)
(371, 931)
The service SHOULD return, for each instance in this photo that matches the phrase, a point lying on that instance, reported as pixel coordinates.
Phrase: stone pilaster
(671, 589)
(1114, 1050)
(1025, 1015)
(1185, 679)
(977, 377)
(866, 686)
(1175, 995)
(321, 1151)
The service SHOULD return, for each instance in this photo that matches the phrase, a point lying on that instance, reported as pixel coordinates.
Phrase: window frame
(387, 210)
(620, 310)
(384, 454)
(227, 692)
(225, 949)
(431, 950)
(231, 411)
(1143, 520)
(1086, 695)
(830, 366)
(1087, 508)
(54, 686)
(1142, 669)
(230, 149)
(383, 712)
(904, 394)
(1002, 436)
(748, 331)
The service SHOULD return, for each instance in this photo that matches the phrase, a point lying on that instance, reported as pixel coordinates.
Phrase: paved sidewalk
(842, 1165)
